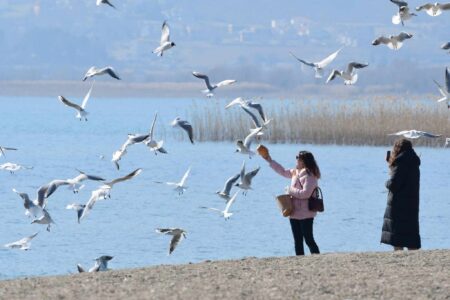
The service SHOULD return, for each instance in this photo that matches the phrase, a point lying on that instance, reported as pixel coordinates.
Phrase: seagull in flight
(94, 71)
(319, 66)
(81, 112)
(348, 75)
(22, 244)
(155, 146)
(446, 46)
(179, 187)
(415, 134)
(4, 149)
(12, 167)
(246, 105)
(403, 13)
(225, 192)
(394, 42)
(244, 147)
(100, 2)
(101, 264)
(210, 88)
(75, 183)
(246, 179)
(32, 208)
(165, 43)
(186, 126)
(445, 90)
(78, 208)
(177, 235)
(45, 219)
(434, 9)
(104, 191)
(226, 212)
(117, 155)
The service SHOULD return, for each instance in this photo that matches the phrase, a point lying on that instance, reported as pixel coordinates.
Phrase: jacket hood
(407, 157)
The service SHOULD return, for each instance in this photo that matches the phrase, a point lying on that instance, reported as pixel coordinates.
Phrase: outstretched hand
(264, 152)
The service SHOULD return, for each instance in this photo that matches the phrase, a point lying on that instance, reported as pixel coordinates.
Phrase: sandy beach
(388, 275)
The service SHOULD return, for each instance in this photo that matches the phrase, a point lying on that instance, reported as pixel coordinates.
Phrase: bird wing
(445, 6)
(381, 40)
(230, 202)
(242, 174)
(255, 119)
(302, 61)
(399, 3)
(249, 139)
(441, 90)
(86, 98)
(325, 62)
(205, 78)
(164, 230)
(226, 82)
(90, 204)
(447, 80)
(355, 65)
(153, 126)
(249, 176)
(229, 183)
(428, 134)
(124, 178)
(165, 33)
(174, 242)
(425, 6)
(111, 72)
(25, 198)
(84, 176)
(188, 128)
(185, 176)
(238, 100)
(333, 75)
(259, 108)
(446, 46)
(400, 132)
(80, 269)
(70, 104)
(403, 36)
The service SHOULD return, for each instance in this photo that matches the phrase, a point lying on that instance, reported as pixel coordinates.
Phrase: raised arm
(279, 169)
(306, 190)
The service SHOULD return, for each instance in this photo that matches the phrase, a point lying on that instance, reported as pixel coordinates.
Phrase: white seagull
(75, 183)
(186, 126)
(319, 66)
(244, 147)
(32, 208)
(445, 91)
(348, 75)
(415, 134)
(81, 112)
(117, 155)
(165, 43)
(246, 179)
(210, 88)
(94, 71)
(226, 212)
(104, 192)
(225, 192)
(177, 235)
(394, 42)
(100, 2)
(246, 105)
(22, 244)
(101, 264)
(179, 187)
(12, 167)
(45, 219)
(4, 149)
(155, 146)
(403, 13)
(434, 9)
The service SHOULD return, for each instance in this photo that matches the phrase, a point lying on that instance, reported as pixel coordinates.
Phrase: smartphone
(388, 155)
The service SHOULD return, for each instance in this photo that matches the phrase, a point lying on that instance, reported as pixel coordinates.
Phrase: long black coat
(401, 219)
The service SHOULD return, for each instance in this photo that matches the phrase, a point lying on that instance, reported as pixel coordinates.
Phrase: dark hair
(400, 146)
(310, 163)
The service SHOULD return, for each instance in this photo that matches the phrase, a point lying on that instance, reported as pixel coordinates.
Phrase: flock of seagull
(37, 208)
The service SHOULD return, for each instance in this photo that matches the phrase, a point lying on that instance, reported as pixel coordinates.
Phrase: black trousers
(303, 230)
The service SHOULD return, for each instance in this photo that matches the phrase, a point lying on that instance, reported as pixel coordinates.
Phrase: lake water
(51, 140)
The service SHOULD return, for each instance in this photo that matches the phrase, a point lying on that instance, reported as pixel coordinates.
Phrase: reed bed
(364, 122)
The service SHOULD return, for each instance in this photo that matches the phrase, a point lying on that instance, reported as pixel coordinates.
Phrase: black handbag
(315, 201)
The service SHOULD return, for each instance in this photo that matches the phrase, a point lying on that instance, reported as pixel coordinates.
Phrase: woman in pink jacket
(304, 179)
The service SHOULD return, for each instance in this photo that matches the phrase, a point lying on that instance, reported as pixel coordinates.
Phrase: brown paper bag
(285, 204)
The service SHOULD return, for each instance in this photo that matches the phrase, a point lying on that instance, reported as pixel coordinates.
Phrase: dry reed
(365, 122)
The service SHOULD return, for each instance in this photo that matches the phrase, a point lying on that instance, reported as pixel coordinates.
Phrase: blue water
(51, 140)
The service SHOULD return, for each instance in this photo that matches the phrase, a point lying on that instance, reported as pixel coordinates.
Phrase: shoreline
(375, 275)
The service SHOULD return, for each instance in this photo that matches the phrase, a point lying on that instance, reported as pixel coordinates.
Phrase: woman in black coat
(401, 219)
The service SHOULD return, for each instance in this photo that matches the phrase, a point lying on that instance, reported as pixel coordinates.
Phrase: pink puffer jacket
(301, 187)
